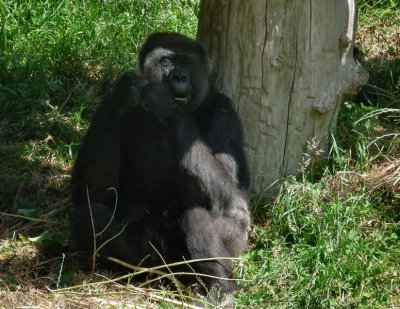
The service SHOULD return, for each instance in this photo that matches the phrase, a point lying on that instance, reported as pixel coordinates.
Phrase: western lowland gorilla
(163, 161)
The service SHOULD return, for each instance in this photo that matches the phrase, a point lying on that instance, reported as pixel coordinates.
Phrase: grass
(379, 37)
(330, 239)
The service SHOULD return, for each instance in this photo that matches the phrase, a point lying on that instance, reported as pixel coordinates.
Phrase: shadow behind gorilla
(171, 146)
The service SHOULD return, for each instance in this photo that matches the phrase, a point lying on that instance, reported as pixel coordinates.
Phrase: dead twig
(151, 271)
(25, 218)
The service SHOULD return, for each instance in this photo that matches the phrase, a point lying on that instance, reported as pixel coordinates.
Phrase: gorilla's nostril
(178, 76)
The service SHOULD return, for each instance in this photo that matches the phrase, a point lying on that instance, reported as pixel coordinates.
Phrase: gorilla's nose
(180, 83)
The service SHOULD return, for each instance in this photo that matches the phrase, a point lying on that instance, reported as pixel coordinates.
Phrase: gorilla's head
(179, 61)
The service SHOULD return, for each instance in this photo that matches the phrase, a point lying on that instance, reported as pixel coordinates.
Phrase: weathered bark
(287, 65)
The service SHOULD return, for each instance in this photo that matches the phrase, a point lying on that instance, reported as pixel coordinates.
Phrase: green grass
(60, 54)
(330, 239)
(379, 35)
(336, 252)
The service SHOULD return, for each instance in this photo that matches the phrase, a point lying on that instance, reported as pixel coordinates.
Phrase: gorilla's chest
(150, 169)
(148, 146)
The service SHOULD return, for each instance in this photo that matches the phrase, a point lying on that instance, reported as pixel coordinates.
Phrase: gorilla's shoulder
(218, 101)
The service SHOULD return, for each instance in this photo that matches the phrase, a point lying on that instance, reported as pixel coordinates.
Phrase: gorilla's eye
(166, 62)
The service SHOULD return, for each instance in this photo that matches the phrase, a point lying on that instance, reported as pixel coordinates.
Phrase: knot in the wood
(362, 77)
(277, 62)
(323, 103)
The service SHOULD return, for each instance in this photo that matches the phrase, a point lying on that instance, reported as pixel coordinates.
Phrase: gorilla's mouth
(182, 99)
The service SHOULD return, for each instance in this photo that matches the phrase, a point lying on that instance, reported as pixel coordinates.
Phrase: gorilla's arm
(222, 132)
(216, 174)
(97, 165)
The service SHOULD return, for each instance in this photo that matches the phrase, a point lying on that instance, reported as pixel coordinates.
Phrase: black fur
(171, 146)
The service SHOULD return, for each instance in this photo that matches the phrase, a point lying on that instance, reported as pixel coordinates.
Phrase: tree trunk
(287, 65)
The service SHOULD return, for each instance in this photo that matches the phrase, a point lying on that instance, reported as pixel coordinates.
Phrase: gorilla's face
(183, 66)
(172, 67)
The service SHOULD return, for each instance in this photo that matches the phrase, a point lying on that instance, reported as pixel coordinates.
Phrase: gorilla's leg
(208, 236)
(121, 247)
(138, 243)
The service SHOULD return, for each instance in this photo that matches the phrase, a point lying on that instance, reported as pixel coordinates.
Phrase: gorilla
(171, 147)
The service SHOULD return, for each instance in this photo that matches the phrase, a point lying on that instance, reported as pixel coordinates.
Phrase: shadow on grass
(383, 88)
(42, 123)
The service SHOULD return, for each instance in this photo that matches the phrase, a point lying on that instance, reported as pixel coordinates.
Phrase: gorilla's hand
(158, 98)
(129, 87)
(239, 212)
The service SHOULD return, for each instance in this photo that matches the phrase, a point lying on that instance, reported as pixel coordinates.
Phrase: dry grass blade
(383, 176)
(104, 303)
(150, 270)
(24, 217)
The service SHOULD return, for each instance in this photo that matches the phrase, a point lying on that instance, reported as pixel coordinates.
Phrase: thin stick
(93, 231)
(182, 262)
(154, 270)
(46, 261)
(142, 271)
(14, 204)
(95, 235)
(174, 280)
(60, 272)
(113, 214)
(26, 218)
(149, 293)
(151, 271)
(111, 238)
(182, 273)
(175, 302)
(115, 304)
(197, 277)
(93, 283)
